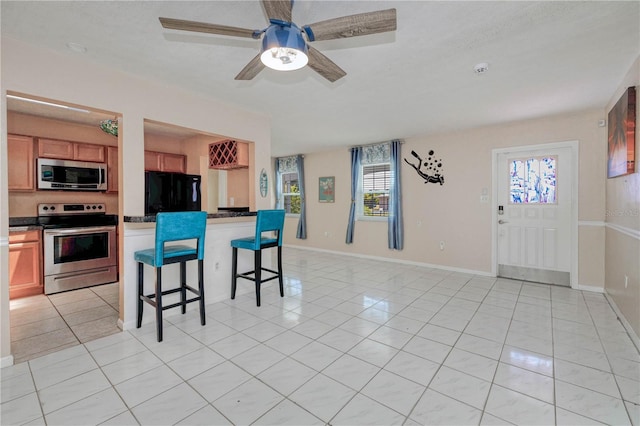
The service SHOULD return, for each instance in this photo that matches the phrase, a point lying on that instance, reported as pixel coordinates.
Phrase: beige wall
(623, 224)
(453, 212)
(70, 78)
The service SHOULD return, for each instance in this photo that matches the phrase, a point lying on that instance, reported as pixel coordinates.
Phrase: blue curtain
(302, 222)
(278, 183)
(396, 229)
(356, 155)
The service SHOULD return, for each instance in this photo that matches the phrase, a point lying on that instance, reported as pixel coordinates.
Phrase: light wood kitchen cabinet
(229, 154)
(65, 150)
(112, 169)
(88, 152)
(25, 263)
(164, 162)
(20, 167)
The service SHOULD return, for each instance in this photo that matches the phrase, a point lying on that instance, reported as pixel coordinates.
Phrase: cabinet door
(173, 163)
(242, 159)
(51, 148)
(112, 169)
(21, 163)
(88, 152)
(25, 276)
(152, 161)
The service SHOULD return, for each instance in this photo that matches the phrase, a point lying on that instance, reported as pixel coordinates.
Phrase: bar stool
(171, 227)
(267, 220)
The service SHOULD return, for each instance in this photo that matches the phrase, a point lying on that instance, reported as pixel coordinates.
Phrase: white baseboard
(401, 261)
(589, 288)
(6, 361)
(632, 334)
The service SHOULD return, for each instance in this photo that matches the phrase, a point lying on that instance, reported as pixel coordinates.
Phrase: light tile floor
(353, 342)
(43, 324)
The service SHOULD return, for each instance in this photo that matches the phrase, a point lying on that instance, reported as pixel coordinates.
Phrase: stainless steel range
(79, 246)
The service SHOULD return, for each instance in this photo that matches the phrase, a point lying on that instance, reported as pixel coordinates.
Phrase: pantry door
(535, 213)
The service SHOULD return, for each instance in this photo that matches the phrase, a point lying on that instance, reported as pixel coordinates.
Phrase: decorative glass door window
(533, 180)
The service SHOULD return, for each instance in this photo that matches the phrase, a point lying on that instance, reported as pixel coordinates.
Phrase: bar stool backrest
(269, 220)
(176, 226)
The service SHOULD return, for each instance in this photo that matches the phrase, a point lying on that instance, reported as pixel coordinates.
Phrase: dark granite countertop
(24, 221)
(219, 215)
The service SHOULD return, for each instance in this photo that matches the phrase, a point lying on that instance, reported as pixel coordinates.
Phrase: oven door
(79, 249)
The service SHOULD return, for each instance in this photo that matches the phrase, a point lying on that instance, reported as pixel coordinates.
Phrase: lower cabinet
(25, 264)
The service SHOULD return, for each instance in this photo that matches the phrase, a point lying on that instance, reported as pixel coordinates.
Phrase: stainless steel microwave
(71, 175)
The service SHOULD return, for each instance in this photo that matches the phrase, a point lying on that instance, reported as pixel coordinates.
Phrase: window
(375, 181)
(288, 191)
(533, 180)
(291, 192)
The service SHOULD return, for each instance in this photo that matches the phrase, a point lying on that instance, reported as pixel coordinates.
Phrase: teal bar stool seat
(267, 221)
(173, 227)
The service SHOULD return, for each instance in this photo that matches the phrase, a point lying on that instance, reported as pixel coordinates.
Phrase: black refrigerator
(171, 192)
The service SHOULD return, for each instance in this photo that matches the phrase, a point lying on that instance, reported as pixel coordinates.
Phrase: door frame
(574, 147)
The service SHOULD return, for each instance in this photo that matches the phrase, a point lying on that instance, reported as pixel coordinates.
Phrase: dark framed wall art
(622, 135)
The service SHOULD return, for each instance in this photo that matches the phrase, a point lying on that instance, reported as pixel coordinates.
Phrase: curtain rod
(373, 143)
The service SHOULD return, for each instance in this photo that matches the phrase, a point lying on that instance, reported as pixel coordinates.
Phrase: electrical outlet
(484, 198)
(626, 281)
(441, 245)
(217, 266)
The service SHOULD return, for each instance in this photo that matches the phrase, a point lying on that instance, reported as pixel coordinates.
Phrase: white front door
(535, 189)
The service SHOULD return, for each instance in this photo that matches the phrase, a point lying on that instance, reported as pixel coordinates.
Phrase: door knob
(502, 222)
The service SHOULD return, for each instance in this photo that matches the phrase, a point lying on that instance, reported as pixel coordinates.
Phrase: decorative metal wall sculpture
(432, 172)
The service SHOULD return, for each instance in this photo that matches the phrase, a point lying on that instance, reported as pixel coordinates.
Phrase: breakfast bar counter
(222, 227)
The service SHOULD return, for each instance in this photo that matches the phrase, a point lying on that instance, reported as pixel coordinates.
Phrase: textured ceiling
(544, 58)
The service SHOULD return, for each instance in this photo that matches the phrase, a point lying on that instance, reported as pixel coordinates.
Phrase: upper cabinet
(65, 150)
(164, 162)
(21, 173)
(229, 154)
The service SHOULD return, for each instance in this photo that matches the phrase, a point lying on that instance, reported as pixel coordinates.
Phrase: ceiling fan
(283, 42)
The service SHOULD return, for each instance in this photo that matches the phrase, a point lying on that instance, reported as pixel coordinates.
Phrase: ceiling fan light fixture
(284, 48)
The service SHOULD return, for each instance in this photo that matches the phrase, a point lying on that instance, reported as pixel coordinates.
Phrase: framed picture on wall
(326, 189)
(621, 137)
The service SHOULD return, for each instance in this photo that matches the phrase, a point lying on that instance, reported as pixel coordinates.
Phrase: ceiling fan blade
(353, 25)
(324, 66)
(278, 9)
(251, 69)
(202, 27)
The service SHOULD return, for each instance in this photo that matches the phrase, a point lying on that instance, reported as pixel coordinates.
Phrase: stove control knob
(99, 207)
(45, 208)
(93, 207)
(53, 207)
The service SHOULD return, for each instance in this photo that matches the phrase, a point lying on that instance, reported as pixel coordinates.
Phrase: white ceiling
(545, 58)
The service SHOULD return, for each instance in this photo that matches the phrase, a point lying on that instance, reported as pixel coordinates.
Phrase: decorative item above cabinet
(229, 154)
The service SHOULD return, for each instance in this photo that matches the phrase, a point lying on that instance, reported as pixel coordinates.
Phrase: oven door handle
(71, 231)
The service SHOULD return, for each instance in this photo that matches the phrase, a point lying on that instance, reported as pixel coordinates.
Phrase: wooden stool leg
(234, 271)
(159, 302)
(183, 286)
(258, 273)
(280, 271)
(201, 289)
(140, 292)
